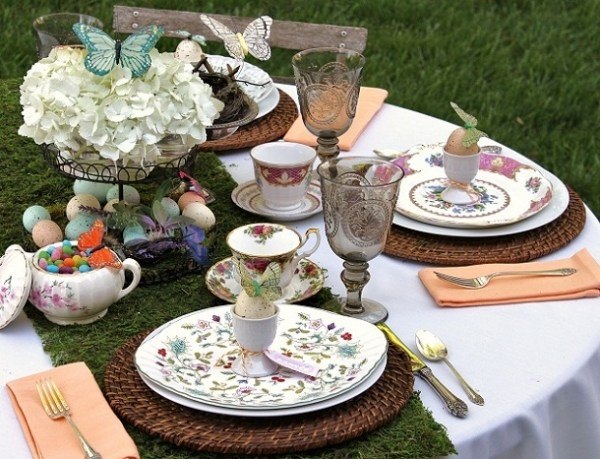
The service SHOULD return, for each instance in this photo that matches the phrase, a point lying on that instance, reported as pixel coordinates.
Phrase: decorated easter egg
(134, 234)
(34, 214)
(455, 144)
(130, 194)
(188, 50)
(188, 197)
(110, 205)
(77, 201)
(200, 214)
(79, 225)
(170, 206)
(97, 189)
(46, 232)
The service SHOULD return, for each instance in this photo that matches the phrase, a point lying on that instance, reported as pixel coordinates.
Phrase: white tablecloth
(536, 364)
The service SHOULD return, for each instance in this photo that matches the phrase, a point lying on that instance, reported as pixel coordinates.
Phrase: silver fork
(56, 407)
(482, 281)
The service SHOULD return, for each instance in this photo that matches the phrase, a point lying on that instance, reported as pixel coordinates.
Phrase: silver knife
(454, 404)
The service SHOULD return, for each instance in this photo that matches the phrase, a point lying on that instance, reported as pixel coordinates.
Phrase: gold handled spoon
(434, 349)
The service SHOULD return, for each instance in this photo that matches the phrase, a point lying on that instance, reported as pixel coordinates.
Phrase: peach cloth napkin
(584, 283)
(50, 439)
(370, 101)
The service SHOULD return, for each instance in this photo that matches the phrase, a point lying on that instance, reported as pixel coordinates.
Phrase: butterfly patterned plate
(254, 81)
(510, 191)
(192, 356)
(223, 281)
(248, 197)
(260, 413)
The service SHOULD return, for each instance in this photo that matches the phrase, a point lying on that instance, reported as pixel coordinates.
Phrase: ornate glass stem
(327, 148)
(354, 276)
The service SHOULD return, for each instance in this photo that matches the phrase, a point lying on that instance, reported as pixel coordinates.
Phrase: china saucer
(248, 197)
(223, 281)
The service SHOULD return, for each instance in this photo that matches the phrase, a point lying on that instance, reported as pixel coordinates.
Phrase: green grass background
(529, 70)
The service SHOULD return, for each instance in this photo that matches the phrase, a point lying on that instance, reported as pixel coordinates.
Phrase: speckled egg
(201, 215)
(188, 50)
(97, 189)
(34, 214)
(130, 194)
(80, 224)
(134, 234)
(87, 200)
(455, 146)
(188, 197)
(46, 232)
(110, 205)
(170, 206)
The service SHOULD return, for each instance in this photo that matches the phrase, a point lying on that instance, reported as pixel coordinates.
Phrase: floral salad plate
(509, 190)
(223, 281)
(192, 355)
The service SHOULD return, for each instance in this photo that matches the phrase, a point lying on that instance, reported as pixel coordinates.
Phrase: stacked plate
(188, 361)
(515, 197)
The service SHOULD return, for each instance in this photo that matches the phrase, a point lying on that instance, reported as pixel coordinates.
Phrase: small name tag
(293, 364)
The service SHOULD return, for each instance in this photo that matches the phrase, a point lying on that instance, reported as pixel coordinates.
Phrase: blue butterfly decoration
(104, 52)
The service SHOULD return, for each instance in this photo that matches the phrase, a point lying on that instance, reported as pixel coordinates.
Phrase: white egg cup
(461, 170)
(254, 336)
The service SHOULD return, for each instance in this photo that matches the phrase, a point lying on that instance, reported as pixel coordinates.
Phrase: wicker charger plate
(515, 248)
(132, 400)
(270, 127)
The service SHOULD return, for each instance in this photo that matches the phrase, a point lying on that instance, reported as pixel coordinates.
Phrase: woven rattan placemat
(270, 127)
(131, 399)
(515, 248)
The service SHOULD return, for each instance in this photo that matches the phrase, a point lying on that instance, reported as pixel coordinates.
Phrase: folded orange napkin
(370, 100)
(50, 439)
(583, 284)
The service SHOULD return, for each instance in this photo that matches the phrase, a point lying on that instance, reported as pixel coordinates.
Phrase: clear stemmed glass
(328, 84)
(359, 196)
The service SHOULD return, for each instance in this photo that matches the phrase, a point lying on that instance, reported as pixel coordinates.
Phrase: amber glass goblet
(328, 84)
(359, 197)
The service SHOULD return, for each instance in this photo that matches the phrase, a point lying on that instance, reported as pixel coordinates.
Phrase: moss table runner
(27, 180)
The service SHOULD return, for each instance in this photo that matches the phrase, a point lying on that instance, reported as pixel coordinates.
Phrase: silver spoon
(434, 349)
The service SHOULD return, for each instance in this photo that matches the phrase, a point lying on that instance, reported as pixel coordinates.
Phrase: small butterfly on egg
(268, 286)
(98, 255)
(104, 52)
(253, 41)
(472, 135)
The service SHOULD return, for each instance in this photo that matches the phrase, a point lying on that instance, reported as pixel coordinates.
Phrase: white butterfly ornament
(253, 41)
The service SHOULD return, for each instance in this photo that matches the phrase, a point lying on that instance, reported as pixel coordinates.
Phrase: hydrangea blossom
(117, 116)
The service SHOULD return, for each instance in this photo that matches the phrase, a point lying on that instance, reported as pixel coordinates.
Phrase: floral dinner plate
(259, 413)
(510, 191)
(192, 356)
(223, 282)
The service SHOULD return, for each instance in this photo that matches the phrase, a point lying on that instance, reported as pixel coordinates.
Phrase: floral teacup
(258, 244)
(67, 299)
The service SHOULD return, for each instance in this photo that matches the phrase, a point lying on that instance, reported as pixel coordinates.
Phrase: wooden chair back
(284, 34)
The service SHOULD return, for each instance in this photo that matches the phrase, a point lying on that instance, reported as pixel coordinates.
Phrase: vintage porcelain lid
(15, 282)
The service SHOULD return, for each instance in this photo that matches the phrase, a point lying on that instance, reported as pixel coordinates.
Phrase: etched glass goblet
(328, 84)
(359, 196)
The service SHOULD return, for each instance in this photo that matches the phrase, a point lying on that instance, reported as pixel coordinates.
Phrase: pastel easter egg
(80, 224)
(200, 214)
(133, 234)
(34, 214)
(189, 197)
(110, 205)
(81, 200)
(130, 194)
(97, 189)
(46, 232)
(170, 206)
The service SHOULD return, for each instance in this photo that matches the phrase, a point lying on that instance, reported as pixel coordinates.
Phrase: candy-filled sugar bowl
(79, 293)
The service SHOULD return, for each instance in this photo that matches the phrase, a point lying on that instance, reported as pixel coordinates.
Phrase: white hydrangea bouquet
(117, 116)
